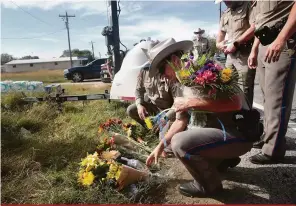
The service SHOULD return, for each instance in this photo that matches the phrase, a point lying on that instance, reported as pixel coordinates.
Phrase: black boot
(193, 189)
(258, 145)
(228, 163)
(261, 158)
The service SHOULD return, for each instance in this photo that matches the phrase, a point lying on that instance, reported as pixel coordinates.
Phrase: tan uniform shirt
(236, 22)
(201, 46)
(160, 91)
(268, 13)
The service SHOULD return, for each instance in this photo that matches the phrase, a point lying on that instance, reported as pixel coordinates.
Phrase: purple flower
(191, 57)
(187, 65)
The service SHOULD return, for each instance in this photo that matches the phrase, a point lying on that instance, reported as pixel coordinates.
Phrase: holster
(267, 35)
(249, 124)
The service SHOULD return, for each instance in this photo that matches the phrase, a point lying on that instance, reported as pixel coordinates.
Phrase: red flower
(209, 76)
(199, 79)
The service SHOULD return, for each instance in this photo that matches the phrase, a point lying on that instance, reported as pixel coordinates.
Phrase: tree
(212, 42)
(77, 53)
(30, 57)
(6, 58)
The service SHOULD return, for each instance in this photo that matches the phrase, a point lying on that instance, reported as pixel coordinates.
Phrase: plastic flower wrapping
(204, 78)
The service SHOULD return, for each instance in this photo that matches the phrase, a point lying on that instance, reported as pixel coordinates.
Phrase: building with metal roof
(27, 65)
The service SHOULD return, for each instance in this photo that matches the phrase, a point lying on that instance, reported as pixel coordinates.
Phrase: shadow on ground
(273, 185)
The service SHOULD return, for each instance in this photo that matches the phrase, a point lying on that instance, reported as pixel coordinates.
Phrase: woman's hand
(181, 104)
(155, 154)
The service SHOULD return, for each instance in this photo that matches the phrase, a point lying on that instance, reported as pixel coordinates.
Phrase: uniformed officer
(201, 150)
(154, 93)
(273, 54)
(201, 44)
(236, 23)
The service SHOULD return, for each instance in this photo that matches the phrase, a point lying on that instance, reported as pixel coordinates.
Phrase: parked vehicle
(90, 71)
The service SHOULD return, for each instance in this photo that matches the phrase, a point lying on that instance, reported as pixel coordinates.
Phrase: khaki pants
(277, 81)
(240, 62)
(202, 149)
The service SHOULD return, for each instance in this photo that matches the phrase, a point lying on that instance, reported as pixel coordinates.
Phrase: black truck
(92, 70)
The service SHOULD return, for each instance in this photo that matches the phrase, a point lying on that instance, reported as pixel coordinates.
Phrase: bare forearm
(290, 26)
(220, 105)
(247, 35)
(220, 37)
(178, 126)
(255, 45)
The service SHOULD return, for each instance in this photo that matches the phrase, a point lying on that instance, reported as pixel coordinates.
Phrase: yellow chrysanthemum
(184, 73)
(129, 132)
(134, 123)
(148, 123)
(226, 74)
(86, 178)
(114, 171)
(90, 161)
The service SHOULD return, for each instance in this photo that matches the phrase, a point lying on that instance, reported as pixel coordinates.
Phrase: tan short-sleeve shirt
(268, 13)
(236, 22)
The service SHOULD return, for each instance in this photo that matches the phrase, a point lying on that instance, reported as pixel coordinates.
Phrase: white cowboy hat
(218, 1)
(162, 50)
(199, 31)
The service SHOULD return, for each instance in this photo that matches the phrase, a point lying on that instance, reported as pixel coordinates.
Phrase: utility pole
(100, 55)
(220, 9)
(92, 47)
(115, 26)
(65, 17)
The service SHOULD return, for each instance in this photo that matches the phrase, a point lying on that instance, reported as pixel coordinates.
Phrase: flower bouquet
(203, 78)
(98, 168)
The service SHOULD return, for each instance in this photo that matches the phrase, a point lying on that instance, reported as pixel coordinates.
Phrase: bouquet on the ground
(203, 78)
(126, 135)
(103, 168)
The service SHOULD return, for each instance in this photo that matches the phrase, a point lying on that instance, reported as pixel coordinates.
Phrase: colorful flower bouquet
(203, 78)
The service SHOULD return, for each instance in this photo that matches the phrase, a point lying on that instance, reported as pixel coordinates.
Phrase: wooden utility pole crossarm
(66, 18)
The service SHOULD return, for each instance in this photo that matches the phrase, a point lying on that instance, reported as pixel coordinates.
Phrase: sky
(35, 28)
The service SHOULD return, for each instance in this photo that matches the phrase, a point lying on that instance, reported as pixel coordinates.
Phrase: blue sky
(138, 19)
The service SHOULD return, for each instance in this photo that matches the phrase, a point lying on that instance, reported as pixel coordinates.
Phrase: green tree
(77, 53)
(6, 58)
(30, 57)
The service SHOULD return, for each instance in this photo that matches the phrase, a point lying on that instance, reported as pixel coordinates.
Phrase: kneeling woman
(202, 149)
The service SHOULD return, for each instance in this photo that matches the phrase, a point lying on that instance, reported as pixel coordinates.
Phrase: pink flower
(218, 67)
(209, 76)
(199, 79)
(212, 91)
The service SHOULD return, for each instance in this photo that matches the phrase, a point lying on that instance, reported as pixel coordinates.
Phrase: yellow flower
(90, 161)
(86, 178)
(134, 123)
(148, 123)
(226, 74)
(184, 73)
(100, 130)
(114, 171)
(129, 132)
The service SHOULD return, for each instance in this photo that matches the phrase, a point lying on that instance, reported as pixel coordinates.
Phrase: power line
(37, 36)
(31, 14)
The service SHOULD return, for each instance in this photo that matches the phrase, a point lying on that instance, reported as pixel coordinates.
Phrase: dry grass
(46, 76)
(41, 149)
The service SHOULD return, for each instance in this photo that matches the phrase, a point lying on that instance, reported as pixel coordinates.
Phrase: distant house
(27, 65)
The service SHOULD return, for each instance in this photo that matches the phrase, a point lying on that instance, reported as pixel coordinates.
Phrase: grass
(46, 76)
(41, 149)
